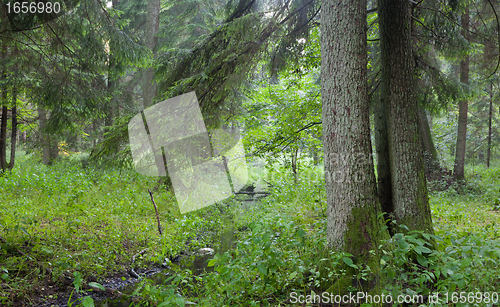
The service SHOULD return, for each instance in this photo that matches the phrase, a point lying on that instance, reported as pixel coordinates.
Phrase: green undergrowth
(63, 219)
(282, 256)
(67, 221)
(464, 269)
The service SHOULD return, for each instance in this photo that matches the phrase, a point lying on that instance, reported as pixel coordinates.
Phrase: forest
(249, 153)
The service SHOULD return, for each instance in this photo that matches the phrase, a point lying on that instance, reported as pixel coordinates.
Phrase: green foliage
(65, 218)
(285, 119)
(261, 264)
(114, 149)
(465, 254)
(463, 262)
(182, 283)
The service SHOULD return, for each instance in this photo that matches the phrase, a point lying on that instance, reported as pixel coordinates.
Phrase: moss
(419, 216)
(361, 240)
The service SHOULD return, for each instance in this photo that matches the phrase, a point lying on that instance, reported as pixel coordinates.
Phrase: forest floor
(64, 227)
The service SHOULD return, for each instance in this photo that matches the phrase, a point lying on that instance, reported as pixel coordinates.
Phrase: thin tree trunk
(431, 161)
(112, 110)
(44, 137)
(152, 27)
(490, 116)
(458, 171)
(13, 137)
(409, 186)
(94, 133)
(295, 165)
(352, 207)
(112, 81)
(314, 152)
(54, 148)
(3, 136)
(4, 118)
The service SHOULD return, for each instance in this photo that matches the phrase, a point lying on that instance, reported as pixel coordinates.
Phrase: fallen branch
(156, 209)
(132, 272)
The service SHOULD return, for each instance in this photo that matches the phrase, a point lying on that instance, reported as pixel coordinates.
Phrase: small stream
(196, 263)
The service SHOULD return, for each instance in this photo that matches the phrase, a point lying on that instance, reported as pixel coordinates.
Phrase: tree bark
(409, 186)
(4, 118)
(54, 148)
(3, 134)
(112, 81)
(352, 207)
(383, 161)
(431, 161)
(152, 27)
(44, 137)
(490, 116)
(458, 171)
(295, 165)
(13, 137)
(94, 133)
(112, 107)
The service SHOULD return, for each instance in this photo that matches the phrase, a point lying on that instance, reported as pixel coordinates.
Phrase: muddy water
(197, 264)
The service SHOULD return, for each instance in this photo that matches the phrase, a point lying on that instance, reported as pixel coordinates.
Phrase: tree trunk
(409, 186)
(44, 137)
(383, 162)
(54, 148)
(4, 118)
(13, 137)
(431, 161)
(458, 171)
(3, 135)
(113, 80)
(94, 133)
(295, 165)
(490, 116)
(352, 207)
(111, 112)
(314, 152)
(152, 26)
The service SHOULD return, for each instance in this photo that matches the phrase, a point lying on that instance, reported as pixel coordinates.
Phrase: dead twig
(156, 209)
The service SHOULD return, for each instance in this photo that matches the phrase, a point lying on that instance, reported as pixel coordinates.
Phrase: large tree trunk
(152, 26)
(458, 171)
(352, 211)
(383, 160)
(409, 187)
